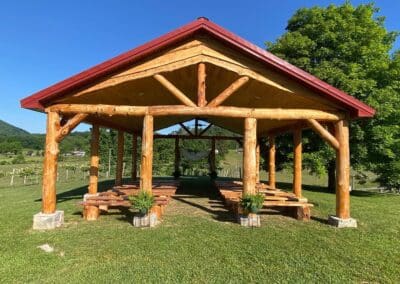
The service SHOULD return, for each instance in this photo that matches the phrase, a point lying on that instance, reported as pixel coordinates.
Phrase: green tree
(349, 48)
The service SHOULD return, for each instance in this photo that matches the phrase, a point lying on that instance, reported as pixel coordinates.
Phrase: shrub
(19, 159)
(252, 203)
(142, 202)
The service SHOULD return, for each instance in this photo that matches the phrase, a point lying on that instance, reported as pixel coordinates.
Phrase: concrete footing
(42, 221)
(342, 223)
(148, 220)
(251, 220)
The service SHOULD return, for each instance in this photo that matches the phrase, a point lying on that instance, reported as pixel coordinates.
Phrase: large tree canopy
(349, 48)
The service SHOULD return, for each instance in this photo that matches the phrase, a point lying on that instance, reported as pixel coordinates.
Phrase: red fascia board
(37, 100)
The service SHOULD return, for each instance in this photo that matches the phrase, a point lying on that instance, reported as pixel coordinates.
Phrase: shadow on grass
(217, 214)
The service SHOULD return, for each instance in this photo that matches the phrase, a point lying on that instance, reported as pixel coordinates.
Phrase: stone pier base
(251, 220)
(342, 223)
(42, 221)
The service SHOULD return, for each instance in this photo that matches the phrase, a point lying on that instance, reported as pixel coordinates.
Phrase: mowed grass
(197, 242)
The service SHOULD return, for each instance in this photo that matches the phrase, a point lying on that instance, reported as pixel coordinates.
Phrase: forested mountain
(7, 129)
(14, 140)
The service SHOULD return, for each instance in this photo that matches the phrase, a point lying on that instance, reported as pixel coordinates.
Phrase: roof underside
(128, 80)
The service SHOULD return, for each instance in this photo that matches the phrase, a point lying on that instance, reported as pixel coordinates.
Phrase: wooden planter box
(148, 220)
(250, 220)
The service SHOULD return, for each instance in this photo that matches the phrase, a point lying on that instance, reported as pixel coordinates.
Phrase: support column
(213, 168)
(92, 213)
(134, 157)
(146, 172)
(120, 158)
(94, 160)
(258, 162)
(249, 155)
(177, 172)
(271, 162)
(342, 218)
(49, 218)
(297, 151)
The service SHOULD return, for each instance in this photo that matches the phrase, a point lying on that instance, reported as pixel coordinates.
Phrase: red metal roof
(38, 100)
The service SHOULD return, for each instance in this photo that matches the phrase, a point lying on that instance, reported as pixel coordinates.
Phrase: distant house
(78, 153)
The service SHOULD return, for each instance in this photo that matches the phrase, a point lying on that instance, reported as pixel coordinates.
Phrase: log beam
(297, 151)
(342, 170)
(225, 94)
(146, 169)
(201, 85)
(249, 156)
(70, 125)
(120, 158)
(134, 156)
(190, 137)
(174, 90)
(50, 164)
(94, 160)
(323, 133)
(271, 162)
(233, 112)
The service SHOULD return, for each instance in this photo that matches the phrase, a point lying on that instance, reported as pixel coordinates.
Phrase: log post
(249, 155)
(177, 158)
(213, 168)
(258, 162)
(201, 85)
(134, 157)
(271, 162)
(50, 164)
(94, 160)
(297, 149)
(146, 170)
(342, 170)
(120, 158)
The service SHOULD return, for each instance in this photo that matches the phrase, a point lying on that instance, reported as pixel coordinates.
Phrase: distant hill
(7, 129)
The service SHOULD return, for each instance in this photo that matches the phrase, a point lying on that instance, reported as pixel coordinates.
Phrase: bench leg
(91, 213)
(156, 209)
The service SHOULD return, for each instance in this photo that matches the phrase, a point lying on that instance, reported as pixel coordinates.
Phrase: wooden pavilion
(199, 71)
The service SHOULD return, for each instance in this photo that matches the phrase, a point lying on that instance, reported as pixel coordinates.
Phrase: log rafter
(231, 89)
(205, 129)
(174, 90)
(186, 129)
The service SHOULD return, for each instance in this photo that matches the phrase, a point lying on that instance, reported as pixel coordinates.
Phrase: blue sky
(43, 42)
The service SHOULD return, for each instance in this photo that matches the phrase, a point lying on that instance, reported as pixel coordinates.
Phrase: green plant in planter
(252, 203)
(142, 202)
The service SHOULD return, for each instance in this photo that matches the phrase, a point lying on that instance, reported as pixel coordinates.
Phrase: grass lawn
(199, 242)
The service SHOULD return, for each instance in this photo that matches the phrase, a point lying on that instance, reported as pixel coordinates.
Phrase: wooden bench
(118, 197)
(295, 206)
